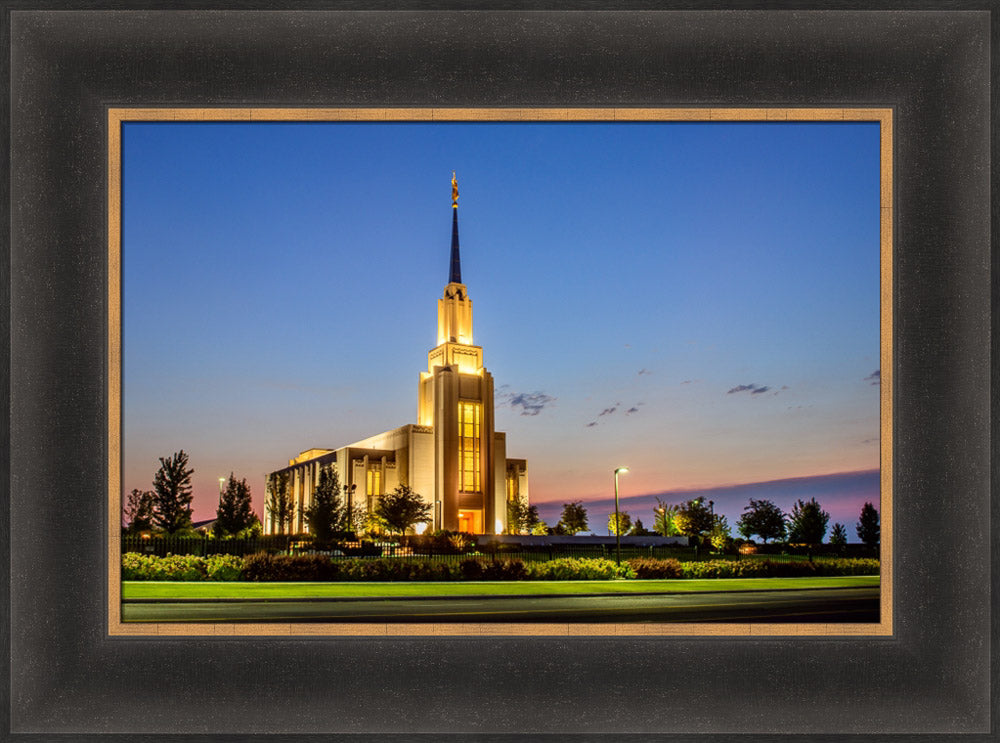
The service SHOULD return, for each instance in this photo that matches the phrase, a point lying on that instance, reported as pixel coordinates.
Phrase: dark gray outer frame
(931, 680)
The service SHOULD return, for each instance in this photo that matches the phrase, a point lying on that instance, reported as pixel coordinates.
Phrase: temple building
(452, 456)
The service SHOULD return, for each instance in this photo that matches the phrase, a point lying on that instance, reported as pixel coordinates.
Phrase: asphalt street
(809, 605)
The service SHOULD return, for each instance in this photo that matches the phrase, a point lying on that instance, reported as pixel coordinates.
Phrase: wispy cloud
(529, 403)
(611, 410)
(753, 389)
(875, 377)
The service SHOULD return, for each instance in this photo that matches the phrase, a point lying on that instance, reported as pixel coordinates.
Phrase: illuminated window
(374, 486)
(468, 446)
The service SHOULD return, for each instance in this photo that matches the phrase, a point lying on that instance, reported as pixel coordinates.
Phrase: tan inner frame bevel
(117, 116)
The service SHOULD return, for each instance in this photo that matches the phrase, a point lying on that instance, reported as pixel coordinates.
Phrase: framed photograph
(670, 173)
(126, 127)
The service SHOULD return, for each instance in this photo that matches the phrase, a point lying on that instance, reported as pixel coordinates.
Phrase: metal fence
(287, 544)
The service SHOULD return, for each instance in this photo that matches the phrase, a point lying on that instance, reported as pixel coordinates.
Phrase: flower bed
(265, 567)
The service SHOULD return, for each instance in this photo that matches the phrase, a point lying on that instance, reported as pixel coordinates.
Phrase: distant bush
(648, 567)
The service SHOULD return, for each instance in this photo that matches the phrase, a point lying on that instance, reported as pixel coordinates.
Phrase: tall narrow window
(468, 446)
(374, 482)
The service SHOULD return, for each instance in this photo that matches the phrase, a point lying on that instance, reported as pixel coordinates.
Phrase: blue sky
(697, 301)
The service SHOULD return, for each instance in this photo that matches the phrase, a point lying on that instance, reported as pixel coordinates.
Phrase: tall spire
(456, 264)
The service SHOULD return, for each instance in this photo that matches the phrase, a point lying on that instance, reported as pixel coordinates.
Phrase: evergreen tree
(574, 518)
(838, 537)
(868, 528)
(624, 523)
(172, 493)
(763, 518)
(401, 509)
(279, 504)
(138, 511)
(807, 523)
(638, 530)
(235, 512)
(325, 514)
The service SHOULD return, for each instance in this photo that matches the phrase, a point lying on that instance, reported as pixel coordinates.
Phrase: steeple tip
(455, 276)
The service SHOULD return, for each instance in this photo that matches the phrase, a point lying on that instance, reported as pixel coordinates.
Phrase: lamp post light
(222, 481)
(618, 523)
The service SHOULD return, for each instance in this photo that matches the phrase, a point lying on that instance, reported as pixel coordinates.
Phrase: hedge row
(653, 568)
(265, 567)
(136, 566)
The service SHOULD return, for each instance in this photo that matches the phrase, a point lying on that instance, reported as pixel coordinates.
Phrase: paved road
(811, 605)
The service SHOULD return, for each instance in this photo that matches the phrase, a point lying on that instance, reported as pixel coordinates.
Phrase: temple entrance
(470, 522)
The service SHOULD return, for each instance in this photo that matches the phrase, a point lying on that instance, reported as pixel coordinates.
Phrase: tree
(694, 518)
(278, 502)
(518, 515)
(325, 514)
(540, 529)
(532, 520)
(807, 523)
(665, 519)
(172, 493)
(574, 518)
(763, 518)
(235, 511)
(838, 537)
(868, 528)
(401, 509)
(624, 523)
(138, 511)
(720, 535)
(638, 530)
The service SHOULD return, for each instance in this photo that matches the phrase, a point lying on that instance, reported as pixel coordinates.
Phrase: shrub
(648, 567)
(578, 568)
(224, 567)
(778, 569)
(136, 566)
(265, 567)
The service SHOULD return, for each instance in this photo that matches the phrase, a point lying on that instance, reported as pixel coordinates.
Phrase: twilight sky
(696, 301)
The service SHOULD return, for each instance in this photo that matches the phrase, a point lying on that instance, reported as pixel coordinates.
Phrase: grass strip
(243, 590)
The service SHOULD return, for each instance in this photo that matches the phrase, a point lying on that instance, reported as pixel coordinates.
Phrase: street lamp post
(618, 523)
(222, 481)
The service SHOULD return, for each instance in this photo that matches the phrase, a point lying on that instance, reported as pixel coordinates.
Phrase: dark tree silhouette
(807, 523)
(138, 511)
(235, 511)
(694, 518)
(868, 528)
(172, 493)
(763, 518)
(838, 536)
(574, 518)
(325, 514)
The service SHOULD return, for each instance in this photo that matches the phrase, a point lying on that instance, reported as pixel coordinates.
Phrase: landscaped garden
(264, 567)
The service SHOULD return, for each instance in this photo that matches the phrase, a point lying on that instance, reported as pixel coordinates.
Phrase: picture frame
(67, 675)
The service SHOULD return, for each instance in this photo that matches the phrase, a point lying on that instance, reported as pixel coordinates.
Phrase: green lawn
(242, 590)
